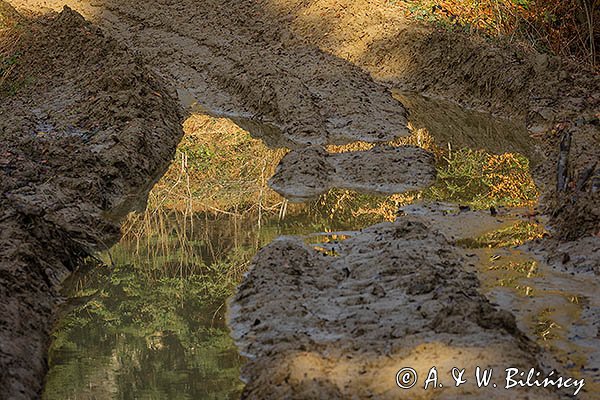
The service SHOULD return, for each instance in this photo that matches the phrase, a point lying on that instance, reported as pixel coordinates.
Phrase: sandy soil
(94, 127)
(89, 131)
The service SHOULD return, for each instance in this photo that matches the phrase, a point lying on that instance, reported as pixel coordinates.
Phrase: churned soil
(87, 131)
(319, 70)
(341, 326)
(87, 125)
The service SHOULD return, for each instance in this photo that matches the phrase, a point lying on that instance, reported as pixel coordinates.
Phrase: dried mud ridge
(338, 327)
(84, 138)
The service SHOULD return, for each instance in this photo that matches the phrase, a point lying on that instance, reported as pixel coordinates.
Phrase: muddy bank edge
(85, 129)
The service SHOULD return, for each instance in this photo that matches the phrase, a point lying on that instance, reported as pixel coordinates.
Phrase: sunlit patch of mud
(372, 373)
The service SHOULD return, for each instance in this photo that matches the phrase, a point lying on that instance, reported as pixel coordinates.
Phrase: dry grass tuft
(563, 27)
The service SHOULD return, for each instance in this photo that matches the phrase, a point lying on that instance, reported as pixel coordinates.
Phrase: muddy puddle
(557, 309)
(148, 320)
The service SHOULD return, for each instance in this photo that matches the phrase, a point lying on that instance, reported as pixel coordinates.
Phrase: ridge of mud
(395, 295)
(307, 173)
(236, 64)
(241, 44)
(83, 137)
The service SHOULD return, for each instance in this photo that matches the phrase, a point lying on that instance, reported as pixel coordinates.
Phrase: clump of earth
(341, 326)
(310, 172)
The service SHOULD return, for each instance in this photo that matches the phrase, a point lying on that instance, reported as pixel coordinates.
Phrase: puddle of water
(151, 326)
(133, 335)
(557, 309)
(560, 311)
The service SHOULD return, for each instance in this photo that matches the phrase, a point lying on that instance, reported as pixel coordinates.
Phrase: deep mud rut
(97, 125)
(79, 145)
(308, 67)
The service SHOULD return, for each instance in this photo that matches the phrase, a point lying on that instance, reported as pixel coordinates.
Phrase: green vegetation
(148, 330)
(481, 180)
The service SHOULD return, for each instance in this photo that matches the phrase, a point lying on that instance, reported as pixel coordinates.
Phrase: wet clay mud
(94, 124)
(341, 326)
(89, 131)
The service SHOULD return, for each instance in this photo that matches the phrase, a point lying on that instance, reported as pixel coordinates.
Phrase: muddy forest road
(319, 70)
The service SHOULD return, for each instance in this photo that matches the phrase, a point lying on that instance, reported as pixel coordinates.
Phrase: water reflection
(149, 323)
(550, 305)
(457, 127)
(131, 334)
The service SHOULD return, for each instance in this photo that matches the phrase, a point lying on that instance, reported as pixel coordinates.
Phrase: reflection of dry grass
(418, 137)
(375, 208)
(472, 177)
(388, 209)
(481, 180)
(360, 209)
(514, 235)
(509, 177)
(172, 243)
(545, 328)
(219, 167)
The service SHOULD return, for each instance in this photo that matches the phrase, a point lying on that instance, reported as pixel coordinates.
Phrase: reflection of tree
(145, 336)
(152, 325)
